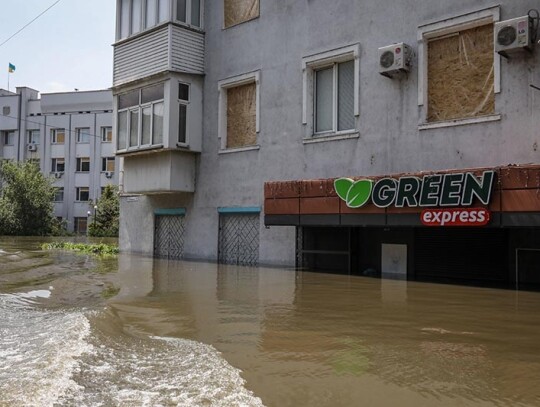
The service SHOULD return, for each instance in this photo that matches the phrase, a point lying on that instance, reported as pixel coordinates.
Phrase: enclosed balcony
(155, 36)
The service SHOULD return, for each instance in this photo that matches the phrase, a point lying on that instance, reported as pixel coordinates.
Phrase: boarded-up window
(241, 116)
(239, 11)
(461, 75)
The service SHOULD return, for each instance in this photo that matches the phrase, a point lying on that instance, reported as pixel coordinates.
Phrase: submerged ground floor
(474, 226)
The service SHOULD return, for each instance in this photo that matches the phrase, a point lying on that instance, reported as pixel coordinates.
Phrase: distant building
(226, 111)
(70, 135)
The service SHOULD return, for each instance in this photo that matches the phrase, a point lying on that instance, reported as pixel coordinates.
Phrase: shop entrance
(466, 255)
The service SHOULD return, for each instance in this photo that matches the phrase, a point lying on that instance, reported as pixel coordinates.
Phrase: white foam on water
(159, 372)
(56, 358)
(39, 351)
(36, 294)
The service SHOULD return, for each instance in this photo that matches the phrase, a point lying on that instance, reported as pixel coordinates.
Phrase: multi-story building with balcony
(70, 135)
(235, 119)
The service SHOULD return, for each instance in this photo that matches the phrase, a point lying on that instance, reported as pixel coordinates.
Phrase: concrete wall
(389, 140)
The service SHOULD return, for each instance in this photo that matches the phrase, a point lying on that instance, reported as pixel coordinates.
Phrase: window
(58, 165)
(330, 100)
(59, 194)
(8, 137)
(107, 164)
(239, 11)
(33, 136)
(82, 194)
(136, 14)
(80, 225)
(334, 98)
(83, 135)
(58, 136)
(183, 101)
(459, 74)
(140, 117)
(83, 164)
(106, 134)
(189, 12)
(239, 111)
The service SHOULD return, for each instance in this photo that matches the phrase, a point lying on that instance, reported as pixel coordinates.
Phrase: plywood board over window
(461, 75)
(239, 11)
(241, 116)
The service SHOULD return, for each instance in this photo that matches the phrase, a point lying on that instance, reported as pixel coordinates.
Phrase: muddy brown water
(130, 331)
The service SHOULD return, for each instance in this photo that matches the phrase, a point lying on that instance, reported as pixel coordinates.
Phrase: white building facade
(70, 136)
(218, 105)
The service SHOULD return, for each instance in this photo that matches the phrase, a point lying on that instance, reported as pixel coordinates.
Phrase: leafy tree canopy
(105, 222)
(26, 200)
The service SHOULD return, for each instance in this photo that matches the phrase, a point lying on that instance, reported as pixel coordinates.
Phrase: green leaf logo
(359, 193)
(342, 187)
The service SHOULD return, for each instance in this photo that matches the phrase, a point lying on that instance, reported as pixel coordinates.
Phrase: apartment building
(70, 135)
(336, 136)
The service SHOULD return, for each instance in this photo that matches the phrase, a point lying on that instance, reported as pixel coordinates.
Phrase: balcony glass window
(189, 12)
(141, 116)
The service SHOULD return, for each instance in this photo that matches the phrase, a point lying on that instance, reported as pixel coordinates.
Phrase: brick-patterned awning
(515, 201)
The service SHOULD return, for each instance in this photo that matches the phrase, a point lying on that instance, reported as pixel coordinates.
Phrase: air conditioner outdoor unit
(513, 36)
(32, 147)
(58, 174)
(395, 59)
(109, 174)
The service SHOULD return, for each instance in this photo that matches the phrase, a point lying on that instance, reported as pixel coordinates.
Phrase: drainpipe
(19, 121)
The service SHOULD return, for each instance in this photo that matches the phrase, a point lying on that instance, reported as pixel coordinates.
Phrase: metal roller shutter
(461, 254)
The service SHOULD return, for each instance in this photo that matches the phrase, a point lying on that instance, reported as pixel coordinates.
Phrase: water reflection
(316, 339)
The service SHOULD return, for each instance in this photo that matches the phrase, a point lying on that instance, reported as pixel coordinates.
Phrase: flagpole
(9, 73)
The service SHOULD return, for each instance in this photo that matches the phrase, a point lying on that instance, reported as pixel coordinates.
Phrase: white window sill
(331, 137)
(238, 149)
(459, 122)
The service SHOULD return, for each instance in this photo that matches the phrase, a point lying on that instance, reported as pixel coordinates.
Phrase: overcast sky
(66, 48)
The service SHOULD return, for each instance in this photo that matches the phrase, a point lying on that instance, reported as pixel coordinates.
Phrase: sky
(68, 47)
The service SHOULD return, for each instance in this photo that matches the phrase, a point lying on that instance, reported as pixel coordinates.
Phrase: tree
(26, 201)
(105, 222)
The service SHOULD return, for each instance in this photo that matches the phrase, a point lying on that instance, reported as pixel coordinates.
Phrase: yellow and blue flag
(11, 68)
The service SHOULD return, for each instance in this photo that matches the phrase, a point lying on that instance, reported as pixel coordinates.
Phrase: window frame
(78, 191)
(58, 190)
(78, 132)
(6, 134)
(139, 108)
(30, 133)
(55, 163)
(310, 66)
(186, 103)
(80, 164)
(225, 27)
(105, 161)
(433, 30)
(54, 135)
(223, 86)
(104, 130)
(188, 21)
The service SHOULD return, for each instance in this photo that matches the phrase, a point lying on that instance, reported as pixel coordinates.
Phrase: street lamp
(95, 212)
(88, 215)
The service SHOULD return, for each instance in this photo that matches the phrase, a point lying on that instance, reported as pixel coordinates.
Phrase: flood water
(135, 331)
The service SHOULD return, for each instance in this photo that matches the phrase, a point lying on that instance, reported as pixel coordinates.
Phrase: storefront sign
(455, 217)
(436, 190)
